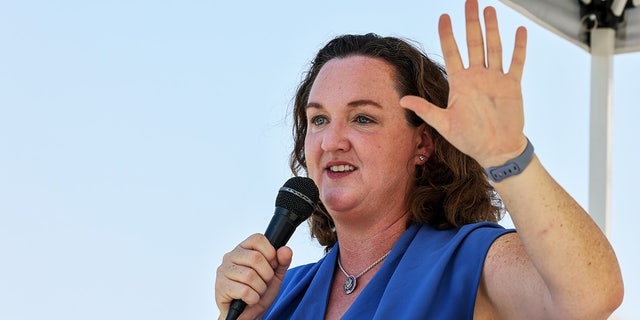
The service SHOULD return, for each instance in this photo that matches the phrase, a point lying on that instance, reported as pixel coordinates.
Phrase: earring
(421, 157)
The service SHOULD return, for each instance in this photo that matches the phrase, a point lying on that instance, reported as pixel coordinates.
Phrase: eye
(361, 119)
(318, 120)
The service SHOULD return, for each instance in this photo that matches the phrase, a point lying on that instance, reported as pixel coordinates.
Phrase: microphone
(295, 202)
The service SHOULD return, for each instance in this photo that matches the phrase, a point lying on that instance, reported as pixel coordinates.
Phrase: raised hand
(484, 117)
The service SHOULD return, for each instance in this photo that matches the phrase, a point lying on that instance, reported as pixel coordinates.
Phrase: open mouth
(342, 168)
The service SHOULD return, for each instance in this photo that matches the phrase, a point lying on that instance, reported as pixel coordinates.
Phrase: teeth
(342, 168)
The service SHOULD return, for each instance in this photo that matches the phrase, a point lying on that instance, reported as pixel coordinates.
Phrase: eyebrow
(352, 104)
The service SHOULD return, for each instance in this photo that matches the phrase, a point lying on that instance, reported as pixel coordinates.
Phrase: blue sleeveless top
(429, 274)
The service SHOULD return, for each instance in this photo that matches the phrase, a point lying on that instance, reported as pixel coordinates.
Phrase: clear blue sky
(141, 140)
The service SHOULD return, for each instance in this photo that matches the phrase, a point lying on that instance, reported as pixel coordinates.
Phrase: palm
(484, 112)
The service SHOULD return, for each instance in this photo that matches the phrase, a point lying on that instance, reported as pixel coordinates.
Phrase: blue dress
(429, 274)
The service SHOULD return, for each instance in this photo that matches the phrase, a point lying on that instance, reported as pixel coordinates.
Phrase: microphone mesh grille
(294, 202)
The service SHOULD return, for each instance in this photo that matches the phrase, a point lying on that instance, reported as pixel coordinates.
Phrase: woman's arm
(559, 264)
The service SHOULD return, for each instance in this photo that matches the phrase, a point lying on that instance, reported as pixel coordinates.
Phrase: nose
(335, 138)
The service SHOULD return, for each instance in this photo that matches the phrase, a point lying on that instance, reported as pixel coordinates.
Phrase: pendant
(350, 284)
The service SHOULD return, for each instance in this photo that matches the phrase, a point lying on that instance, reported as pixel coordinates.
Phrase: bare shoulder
(510, 285)
(506, 251)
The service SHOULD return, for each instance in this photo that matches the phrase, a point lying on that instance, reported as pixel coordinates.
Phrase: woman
(406, 211)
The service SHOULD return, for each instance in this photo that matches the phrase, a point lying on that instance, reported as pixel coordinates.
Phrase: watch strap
(512, 167)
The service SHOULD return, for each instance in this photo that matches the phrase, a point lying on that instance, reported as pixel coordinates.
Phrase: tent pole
(602, 50)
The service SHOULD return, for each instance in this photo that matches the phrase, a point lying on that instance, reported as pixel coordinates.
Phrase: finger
(257, 253)
(244, 275)
(450, 52)
(430, 113)
(475, 43)
(228, 291)
(494, 46)
(519, 54)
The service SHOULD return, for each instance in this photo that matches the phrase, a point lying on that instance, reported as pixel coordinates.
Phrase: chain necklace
(350, 283)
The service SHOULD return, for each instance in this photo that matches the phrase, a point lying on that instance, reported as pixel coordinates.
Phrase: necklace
(351, 282)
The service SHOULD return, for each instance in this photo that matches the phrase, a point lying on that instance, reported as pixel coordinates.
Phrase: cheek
(398, 154)
(310, 153)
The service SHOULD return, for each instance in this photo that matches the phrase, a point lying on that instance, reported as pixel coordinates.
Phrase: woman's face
(359, 148)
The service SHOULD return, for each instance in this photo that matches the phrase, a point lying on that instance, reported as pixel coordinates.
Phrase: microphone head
(299, 195)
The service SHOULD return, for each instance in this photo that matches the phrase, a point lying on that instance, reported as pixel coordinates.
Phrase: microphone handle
(281, 227)
(237, 306)
(278, 232)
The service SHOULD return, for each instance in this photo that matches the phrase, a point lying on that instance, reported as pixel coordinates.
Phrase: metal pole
(602, 47)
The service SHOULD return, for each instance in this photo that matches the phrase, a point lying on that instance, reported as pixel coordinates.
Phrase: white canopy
(603, 28)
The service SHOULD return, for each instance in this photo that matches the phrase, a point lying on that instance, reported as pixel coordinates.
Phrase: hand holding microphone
(252, 272)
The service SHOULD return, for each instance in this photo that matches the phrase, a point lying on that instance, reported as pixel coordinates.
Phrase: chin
(337, 201)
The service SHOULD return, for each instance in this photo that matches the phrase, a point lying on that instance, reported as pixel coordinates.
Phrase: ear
(424, 146)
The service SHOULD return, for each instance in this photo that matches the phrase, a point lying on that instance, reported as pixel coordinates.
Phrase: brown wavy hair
(451, 189)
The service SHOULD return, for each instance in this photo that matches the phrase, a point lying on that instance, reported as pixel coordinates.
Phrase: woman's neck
(361, 245)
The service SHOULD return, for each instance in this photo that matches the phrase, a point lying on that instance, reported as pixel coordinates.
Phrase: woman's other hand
(252, 272)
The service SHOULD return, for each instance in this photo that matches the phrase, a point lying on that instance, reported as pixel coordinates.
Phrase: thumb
(284, 256)
(433, 115)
